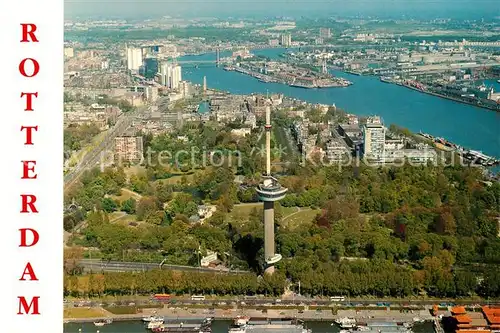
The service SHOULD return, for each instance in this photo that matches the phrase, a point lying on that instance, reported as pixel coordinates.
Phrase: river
(217, 327)
(468, 126)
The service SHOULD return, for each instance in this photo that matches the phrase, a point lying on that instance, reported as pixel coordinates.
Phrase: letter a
(28, 270)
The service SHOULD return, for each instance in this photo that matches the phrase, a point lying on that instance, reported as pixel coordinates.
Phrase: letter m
(25, 308)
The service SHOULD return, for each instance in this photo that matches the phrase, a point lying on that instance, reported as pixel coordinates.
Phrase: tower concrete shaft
(269, 248)
(268, 141)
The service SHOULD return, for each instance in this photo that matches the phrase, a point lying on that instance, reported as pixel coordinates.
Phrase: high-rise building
(69, 52)
(286, 40)
(134, 59)
(270, 191)
(374, 139)
(128, 149)
(325, 33)
(170, 75)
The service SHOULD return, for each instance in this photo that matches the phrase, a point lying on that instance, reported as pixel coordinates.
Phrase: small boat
(346, 322)
(154, 324)
(100, 323)
(152, 318)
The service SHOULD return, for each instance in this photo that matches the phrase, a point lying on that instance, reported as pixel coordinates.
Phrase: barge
(266, 325)
(183, 326)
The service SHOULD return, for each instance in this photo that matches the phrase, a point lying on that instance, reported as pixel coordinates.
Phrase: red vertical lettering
(28, 200)
(25, 307)
(22, 69)
(29, 133)
(29, 99)
(28, 270)
(24, 237)
(28, 30)
(27, 168)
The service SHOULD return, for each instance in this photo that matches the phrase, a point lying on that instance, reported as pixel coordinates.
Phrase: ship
(265, 325)
(184, 326)
(102, 322)
(346, 322)
(152, 318)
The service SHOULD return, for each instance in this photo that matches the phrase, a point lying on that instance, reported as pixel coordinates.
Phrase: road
(270, 302)
(97, 265)
(93, 157)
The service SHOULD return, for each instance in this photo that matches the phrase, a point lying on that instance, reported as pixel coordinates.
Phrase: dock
(437, 326)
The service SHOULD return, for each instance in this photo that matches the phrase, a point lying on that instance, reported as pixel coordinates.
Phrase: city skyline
(134, 9)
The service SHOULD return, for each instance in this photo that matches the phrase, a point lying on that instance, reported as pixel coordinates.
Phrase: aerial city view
(283, 166)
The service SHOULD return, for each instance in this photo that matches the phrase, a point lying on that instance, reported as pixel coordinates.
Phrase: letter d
(24, 237)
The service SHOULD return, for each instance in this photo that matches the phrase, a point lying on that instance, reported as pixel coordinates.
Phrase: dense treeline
(175, 282)
(379, 279)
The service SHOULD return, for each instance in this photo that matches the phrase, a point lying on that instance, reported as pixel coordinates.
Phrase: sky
(140, 9)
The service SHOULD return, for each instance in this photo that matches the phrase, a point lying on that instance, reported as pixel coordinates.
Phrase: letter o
(22, 69)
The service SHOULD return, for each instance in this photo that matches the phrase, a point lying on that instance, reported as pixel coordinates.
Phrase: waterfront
(217, 327)
(469, 126)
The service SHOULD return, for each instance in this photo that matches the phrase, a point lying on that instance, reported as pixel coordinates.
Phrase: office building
(128, 149)
(374, 139)
(325, 33)
(170, 75)
(134, 59)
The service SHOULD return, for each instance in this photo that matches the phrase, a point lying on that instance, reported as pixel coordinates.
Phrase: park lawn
(288, 210)
(305, 215)
(85, 313)
(241, 212)
(125, 195)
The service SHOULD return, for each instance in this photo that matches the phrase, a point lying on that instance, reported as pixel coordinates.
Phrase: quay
(493, 107)
(326, 315)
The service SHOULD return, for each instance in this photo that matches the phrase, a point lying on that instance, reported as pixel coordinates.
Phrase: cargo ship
(266, 325)
(187, 325)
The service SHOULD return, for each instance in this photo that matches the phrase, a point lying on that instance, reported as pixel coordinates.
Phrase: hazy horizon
(137, 9)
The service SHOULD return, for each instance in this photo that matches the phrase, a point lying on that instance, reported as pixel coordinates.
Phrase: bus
(337, 298)
(197, 298)
(161, 297)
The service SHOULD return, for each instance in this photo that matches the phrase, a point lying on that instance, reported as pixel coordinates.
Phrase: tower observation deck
(269, 191)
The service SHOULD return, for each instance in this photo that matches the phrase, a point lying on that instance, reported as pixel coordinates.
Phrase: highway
(97, 265)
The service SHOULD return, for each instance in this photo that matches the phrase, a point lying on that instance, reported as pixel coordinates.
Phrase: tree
(146, 206)
(129, 206)
(109, 205)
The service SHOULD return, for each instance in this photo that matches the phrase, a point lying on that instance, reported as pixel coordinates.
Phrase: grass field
(85, 313)
(126, 194)
(292, 216)
(305, 215)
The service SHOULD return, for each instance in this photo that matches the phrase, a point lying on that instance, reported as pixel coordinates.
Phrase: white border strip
(46, 256)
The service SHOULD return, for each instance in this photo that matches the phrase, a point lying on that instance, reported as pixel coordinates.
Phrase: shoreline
(458, 100)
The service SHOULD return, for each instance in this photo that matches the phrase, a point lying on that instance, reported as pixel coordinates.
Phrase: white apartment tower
(286, 40)
(134, 59)
(374, 139)
(170, 75)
